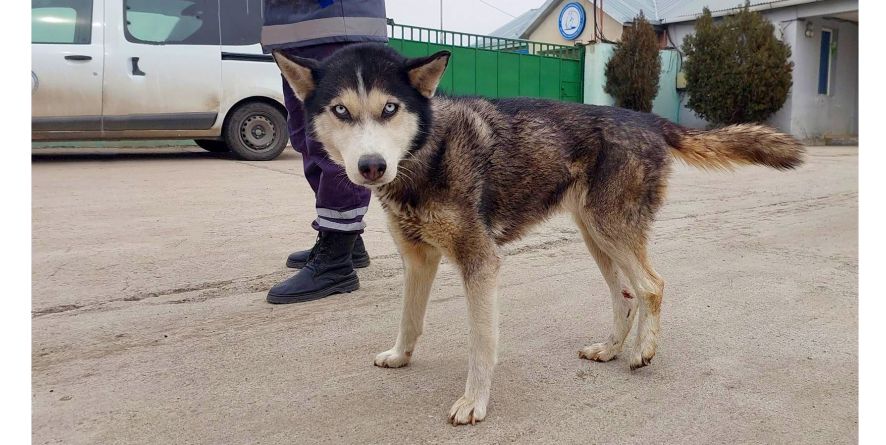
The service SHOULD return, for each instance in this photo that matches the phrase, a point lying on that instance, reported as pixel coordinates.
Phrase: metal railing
(476, 41)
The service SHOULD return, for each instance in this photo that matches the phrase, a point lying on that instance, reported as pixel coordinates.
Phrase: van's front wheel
(256, 131)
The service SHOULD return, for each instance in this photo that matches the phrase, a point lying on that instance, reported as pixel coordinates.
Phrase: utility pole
(441, 14)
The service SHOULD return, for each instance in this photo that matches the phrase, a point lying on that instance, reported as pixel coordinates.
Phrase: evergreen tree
(736, 70)
(632, 72)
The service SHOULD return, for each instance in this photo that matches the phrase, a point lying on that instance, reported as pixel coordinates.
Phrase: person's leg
(340, 203)
(315, 165)
(340, 206)
(298, 134)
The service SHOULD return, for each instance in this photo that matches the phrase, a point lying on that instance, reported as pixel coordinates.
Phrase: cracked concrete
(150, 326)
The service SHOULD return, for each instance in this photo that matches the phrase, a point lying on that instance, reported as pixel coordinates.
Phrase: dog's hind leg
(624, 192)
(481, 288)
(420, 262)
(649, 288)
(624, 305)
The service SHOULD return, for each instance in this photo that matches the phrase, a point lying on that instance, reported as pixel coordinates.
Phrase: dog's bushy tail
(724, 148)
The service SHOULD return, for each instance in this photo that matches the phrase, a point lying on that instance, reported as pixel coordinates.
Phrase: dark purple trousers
(340, 203)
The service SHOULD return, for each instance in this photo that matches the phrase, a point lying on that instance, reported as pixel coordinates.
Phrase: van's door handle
(78, 57)
(135, 69)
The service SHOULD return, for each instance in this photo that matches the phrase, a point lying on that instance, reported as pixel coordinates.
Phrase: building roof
(685, 10)
(516, 28)
(624, 11)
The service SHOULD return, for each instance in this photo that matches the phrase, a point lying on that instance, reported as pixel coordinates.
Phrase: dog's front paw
(392, 359)
(599, 352)
(466, 411)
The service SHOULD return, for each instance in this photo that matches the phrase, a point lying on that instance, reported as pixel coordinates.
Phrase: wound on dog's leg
(622, 301)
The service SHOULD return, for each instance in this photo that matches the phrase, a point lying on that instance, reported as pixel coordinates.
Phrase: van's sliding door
(163, 65)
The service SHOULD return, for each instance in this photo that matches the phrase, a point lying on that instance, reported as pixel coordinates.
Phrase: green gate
(496, 67)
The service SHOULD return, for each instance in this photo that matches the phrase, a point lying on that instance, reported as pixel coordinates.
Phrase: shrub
(736, 70)
(632, 71)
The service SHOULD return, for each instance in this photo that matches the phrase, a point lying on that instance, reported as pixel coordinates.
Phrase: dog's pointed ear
(425, 72)
(301, 73)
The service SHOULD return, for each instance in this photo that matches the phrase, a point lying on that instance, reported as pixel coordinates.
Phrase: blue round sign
(571, 21)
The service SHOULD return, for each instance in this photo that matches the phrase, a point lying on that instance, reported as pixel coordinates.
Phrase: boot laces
(318, 252)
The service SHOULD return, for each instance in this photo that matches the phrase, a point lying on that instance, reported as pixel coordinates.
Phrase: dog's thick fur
(466, 175)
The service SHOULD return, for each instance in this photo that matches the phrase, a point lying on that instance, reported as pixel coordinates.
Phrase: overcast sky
(472, 16)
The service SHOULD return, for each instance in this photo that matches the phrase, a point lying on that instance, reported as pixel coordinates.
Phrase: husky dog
(460, 176)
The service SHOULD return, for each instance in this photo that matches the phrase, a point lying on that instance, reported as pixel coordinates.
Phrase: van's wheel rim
(257, 132)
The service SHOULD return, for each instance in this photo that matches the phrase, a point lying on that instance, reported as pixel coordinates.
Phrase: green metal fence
(496, 67)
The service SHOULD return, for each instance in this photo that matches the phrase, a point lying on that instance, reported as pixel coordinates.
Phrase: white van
(156, 69)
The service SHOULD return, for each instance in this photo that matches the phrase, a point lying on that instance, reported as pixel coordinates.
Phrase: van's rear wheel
(212, 145)
(256, 131)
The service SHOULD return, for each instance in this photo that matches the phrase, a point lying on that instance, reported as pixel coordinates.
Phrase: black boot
(328, 271)
(359, 256)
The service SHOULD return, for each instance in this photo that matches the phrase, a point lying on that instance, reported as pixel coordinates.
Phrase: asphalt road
(149, 323)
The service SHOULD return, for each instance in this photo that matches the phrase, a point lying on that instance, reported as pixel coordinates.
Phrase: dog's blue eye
(341, 111)
(390, 109)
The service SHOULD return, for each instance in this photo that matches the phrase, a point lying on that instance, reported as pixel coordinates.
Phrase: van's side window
(61, 21)
(172, 22)
(241, 22)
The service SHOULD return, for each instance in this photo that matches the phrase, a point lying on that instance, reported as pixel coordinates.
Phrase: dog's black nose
(371, 167)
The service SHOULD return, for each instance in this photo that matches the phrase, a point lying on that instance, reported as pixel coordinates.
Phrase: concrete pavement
(150, 269)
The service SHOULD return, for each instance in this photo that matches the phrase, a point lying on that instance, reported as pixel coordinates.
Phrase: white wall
(806, 114)
(597, 55)
(835, 114)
